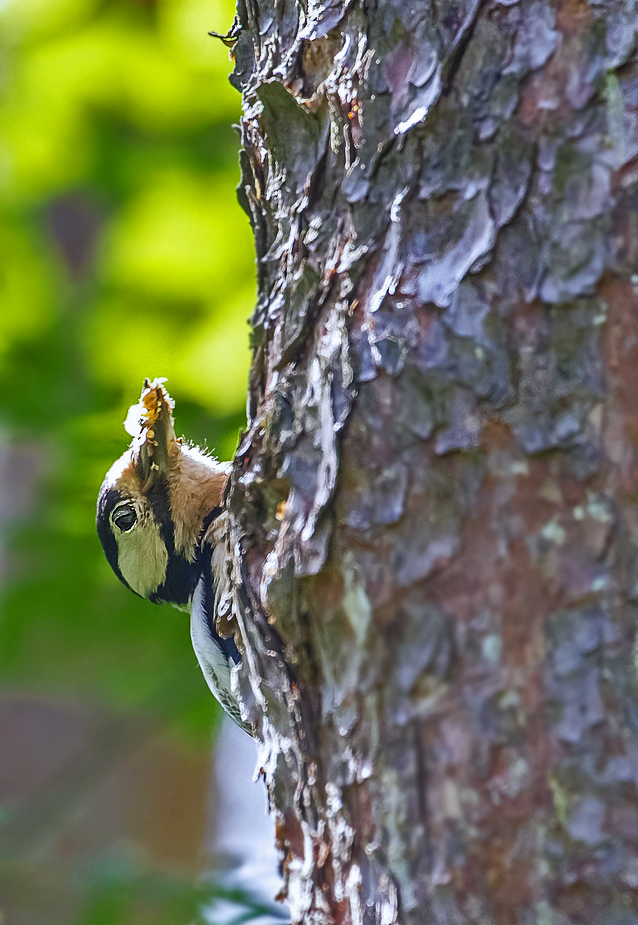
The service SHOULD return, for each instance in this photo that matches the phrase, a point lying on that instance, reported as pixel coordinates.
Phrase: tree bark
(434, 509)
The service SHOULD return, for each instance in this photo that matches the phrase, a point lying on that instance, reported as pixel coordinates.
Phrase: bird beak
(150, 423)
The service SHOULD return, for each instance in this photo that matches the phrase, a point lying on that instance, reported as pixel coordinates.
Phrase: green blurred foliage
(123, 254)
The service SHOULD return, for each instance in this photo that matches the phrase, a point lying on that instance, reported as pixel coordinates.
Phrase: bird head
(156, 502)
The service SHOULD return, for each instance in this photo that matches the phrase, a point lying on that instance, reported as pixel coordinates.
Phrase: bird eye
(125, 517)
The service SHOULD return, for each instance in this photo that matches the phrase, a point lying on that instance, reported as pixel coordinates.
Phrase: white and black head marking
(155, 502)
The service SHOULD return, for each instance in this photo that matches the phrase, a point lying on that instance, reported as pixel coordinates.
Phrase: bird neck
(196, 488)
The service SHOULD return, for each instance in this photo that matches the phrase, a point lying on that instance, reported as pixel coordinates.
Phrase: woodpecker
(160, 519)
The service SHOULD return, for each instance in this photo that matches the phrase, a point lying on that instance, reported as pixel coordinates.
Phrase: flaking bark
(433, 513)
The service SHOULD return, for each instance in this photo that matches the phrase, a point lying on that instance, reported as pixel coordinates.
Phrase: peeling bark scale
(433, 542)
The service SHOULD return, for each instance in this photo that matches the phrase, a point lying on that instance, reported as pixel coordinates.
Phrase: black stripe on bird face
(180, 582)
(107, 501)
(159, 499)
(181, 575)
(173, 582)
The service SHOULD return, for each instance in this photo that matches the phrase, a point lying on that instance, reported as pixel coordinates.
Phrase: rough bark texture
(434, 511)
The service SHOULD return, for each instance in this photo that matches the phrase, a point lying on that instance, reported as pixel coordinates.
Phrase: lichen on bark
(433, 510)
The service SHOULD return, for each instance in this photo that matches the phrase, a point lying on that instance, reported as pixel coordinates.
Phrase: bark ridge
(433, 514)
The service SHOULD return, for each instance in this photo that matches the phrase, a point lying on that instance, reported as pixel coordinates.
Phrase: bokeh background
(123, 254)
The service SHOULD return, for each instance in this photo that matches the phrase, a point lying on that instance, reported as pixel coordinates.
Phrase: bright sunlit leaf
(183, 237)
(22, 20)
(216, 359)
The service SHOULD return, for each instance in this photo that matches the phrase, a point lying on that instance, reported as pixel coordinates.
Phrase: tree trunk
(434, 510)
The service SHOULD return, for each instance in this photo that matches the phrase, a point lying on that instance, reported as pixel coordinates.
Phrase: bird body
(160, 519)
